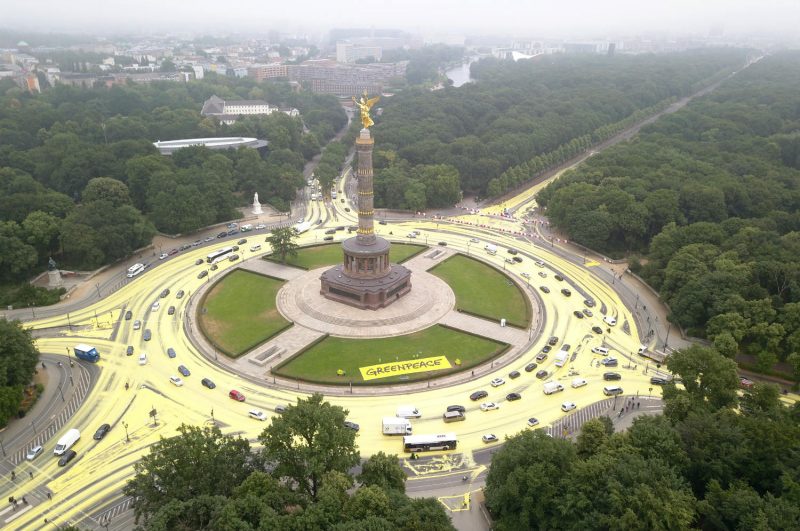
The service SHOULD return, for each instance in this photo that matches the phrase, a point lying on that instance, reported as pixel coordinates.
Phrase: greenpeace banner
(396, 368)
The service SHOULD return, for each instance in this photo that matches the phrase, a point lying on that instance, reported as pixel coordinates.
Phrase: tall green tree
(18, 358)
(308, 441)
(283, 242)
(383, 471)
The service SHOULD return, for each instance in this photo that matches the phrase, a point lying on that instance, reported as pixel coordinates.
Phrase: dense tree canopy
(18, 358)
(519, 118)
(708, 463)
(202, 479)
(710, 196)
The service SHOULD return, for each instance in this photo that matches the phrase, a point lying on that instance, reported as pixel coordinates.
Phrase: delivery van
(552, 387)
(66, 441)
(408, 412)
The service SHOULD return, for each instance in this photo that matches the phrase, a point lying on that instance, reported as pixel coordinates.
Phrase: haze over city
(568, 18)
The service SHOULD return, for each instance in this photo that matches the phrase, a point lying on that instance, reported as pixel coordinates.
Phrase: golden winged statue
(365, 105)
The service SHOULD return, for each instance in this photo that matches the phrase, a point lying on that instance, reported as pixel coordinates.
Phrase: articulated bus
(428, 443)
(219, 255)
(135, 269)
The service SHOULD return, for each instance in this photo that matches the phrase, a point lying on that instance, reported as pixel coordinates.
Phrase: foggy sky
(590, 18)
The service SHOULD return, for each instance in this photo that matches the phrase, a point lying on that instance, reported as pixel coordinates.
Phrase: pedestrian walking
(30, 473)
(638, 404)
(13, 475)
(24, 500)
(49, 495)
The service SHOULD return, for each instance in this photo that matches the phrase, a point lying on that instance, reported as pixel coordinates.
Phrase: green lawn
(330, 254)
(321, 361)
(239, 312)
(483, 290)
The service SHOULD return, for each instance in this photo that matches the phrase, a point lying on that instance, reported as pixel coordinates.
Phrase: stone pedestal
(54, 279)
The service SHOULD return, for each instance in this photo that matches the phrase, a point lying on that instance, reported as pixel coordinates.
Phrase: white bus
(428, 443)
(302, 227)
(218, 255)
(135, 269)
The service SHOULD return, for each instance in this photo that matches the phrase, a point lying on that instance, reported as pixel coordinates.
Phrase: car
(236, 395)
(171, 310)
(351, 425)
(578, 314)
(443, 244)
(128, 315)
(171, 352)
(214, 267)
(222, 234)
(233, 225)
(558, 277)
(587, 312)
(610, 321)
(147, 335)
(531, 367)
(129, 350)
(254, 248)
(533, 421)
(565, 347)
(474, 240)
(232, 232)
(346, 209)
(162, 256)
(197, 242)
(597, 330)
(202, 274)
(382, 222)
(235, 247)
(568, 406)
(280, 410)
(552, 340)
(544, 289)
(460, 409)
(199, 261)
(510, 261)
(33, 453)
(208, 383)
(261, 226)
(541, 374)
(242, 241)
(411, 235)
(173, 251)
(546, 349)
(489, 406)
(233, 257)
(330, 231)
(137, 324)
(176, 381)
(68, 456)
(208, 239)
(513, 396)
(609, 362)
(589, 303)
(156, 305)
(540, 357)
(183, 370)
(497, 382)
(517, 259)
(512, 251)
(657, 380)
(539, 263)
(257, 414)
(525, 275)
(180, 294)
(608, 376)
(185, 246)
(327, 239)
(143, 358)
(746, 383)
(477, 395)
(489, 437)
(542, 274)
(566, 292)
(513, 374)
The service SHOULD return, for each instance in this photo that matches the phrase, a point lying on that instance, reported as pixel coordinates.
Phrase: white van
(609, 320)
(552, 387)
(246, 228)
(603, 351)
(642, 349)
(578, 382)
(611, 390)
(66, 441)
(491, 249)
(408, 412)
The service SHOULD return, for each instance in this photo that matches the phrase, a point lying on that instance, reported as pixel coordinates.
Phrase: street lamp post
(666, 341)
(97, 285)
(2, 448)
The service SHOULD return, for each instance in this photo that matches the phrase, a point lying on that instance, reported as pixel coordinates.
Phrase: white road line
(19, 513)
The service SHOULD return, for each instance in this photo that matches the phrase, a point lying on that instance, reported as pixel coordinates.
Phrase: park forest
(708, 199)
